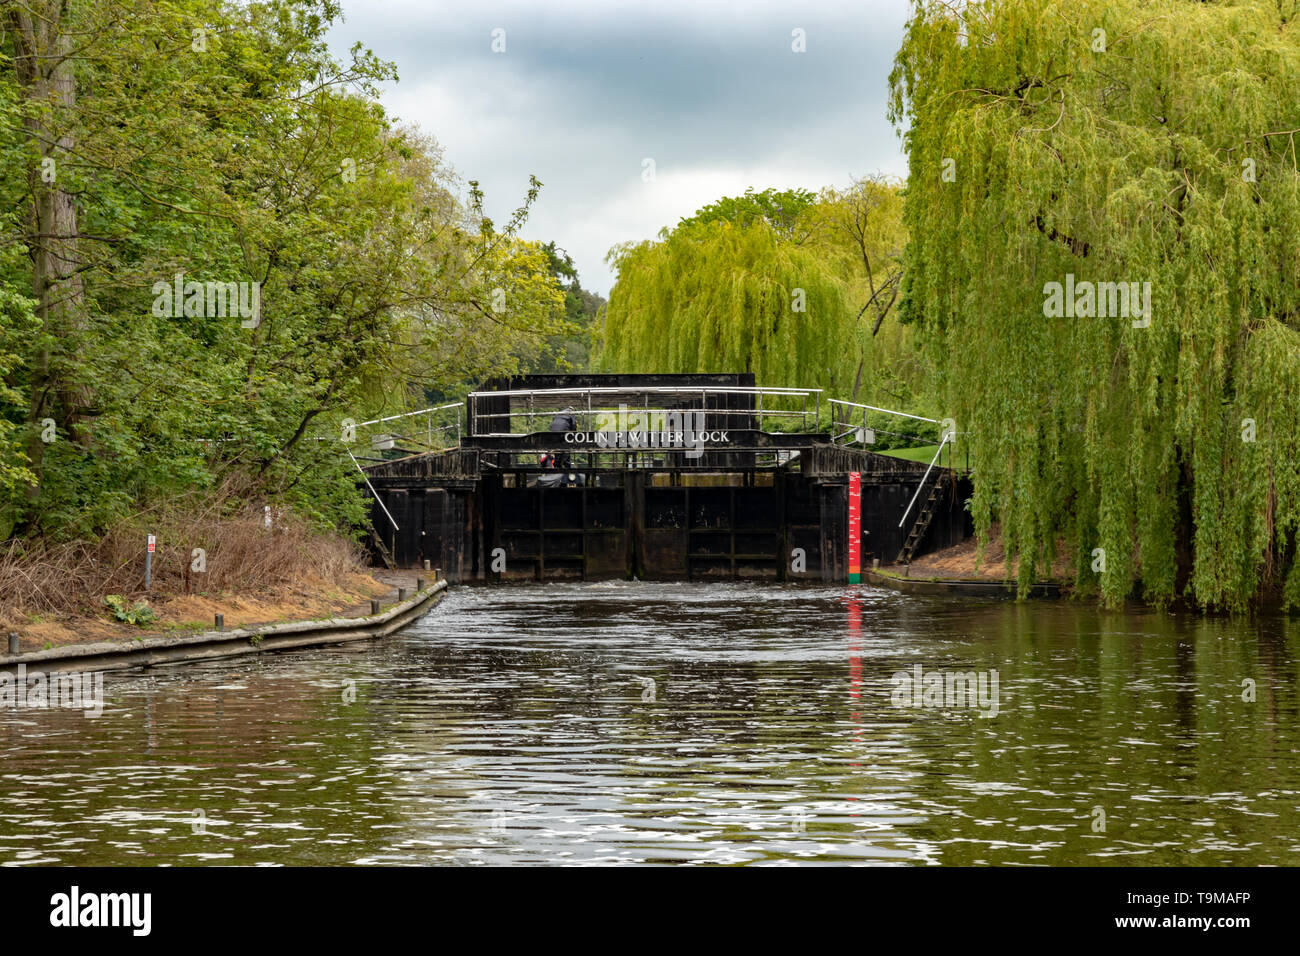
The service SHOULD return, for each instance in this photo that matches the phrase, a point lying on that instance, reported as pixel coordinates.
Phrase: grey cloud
(581, 96)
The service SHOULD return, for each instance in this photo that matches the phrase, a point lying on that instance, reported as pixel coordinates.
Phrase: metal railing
(844, 422)
(533, 409)
(432, 433)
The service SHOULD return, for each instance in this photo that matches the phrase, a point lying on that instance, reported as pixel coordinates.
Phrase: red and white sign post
(148, 561)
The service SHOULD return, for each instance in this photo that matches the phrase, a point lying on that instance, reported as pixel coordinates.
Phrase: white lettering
(73, 909)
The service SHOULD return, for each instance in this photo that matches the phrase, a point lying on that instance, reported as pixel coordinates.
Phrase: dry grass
(55, 593)
(194, 612)
(962, 562)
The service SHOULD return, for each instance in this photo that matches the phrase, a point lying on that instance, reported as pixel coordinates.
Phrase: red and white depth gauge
(855, 527)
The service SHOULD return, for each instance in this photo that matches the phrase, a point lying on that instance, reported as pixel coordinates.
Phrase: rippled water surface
(700, 723)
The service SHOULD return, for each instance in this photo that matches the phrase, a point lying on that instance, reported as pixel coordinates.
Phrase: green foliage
(16, 322)
(570, 347)
(720, 296)
(860, 232)
(795, 287)
(1121, 141)
(724, 297)
(260, 158)
(782, 210)
(138, 615)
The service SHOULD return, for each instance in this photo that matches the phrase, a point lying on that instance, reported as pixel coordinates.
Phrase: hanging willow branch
(1163, 452)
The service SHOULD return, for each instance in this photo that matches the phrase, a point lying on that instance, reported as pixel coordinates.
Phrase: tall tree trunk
(42, 44)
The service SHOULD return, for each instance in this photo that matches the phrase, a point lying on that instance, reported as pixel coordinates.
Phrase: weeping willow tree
(860, 230)
(728, 296)
(1054, 146)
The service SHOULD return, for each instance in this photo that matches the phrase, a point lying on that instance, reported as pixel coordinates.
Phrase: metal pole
(366, 479)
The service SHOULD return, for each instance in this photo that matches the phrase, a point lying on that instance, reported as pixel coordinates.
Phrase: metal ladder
(923, 518)
(382, 549)
(926, 514)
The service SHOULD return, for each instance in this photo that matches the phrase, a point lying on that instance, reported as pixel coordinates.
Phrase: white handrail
(633, 390)
(423, 411)
(887, 411)
(923, 478)
(652, 389)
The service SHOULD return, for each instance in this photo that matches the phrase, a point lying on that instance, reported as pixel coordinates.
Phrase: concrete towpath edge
(226, 643)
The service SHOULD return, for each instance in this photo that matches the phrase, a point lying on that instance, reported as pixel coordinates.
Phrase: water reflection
(509, 726)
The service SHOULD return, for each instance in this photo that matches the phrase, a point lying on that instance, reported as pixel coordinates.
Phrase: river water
(687, 723)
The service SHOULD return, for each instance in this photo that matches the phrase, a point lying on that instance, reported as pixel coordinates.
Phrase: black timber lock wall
(636, 523)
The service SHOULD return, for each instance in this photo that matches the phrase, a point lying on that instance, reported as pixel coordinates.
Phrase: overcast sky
(585, 93)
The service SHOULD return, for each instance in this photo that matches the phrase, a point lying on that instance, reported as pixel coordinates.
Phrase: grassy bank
(925, 453)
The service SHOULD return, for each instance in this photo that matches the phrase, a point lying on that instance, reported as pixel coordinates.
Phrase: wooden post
(374, 606)
(221, 622)
(13, 642)
(401, 594)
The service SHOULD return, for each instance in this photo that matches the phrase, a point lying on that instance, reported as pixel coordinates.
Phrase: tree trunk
(42, 44)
